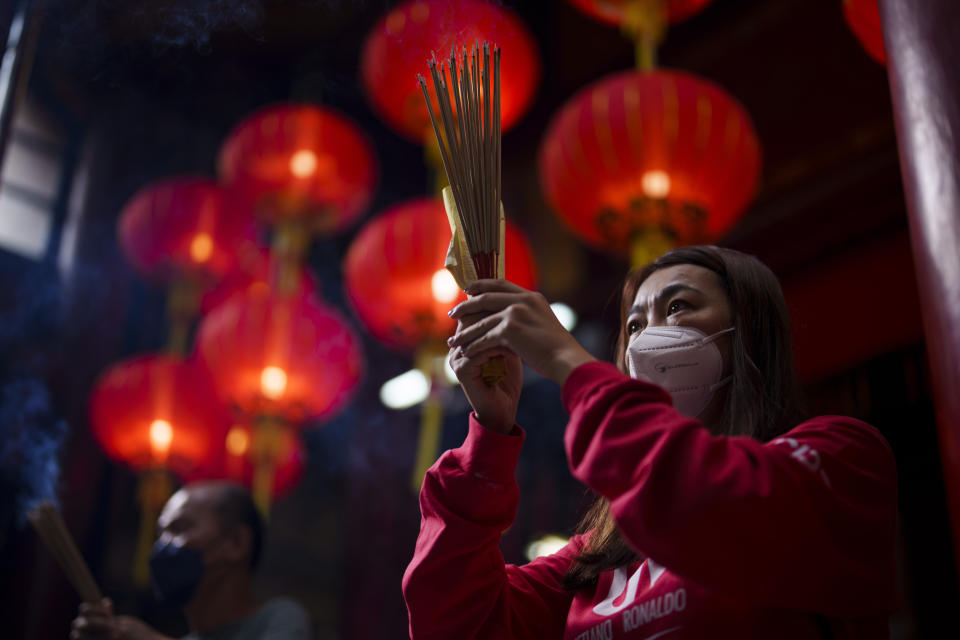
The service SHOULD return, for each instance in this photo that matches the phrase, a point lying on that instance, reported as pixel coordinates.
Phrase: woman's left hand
(521, 321)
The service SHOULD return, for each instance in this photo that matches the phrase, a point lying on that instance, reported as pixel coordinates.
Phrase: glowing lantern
(398, 47)
(641, 161)
(395, 278)
(289, 357)
(863, 16)
(303, 169)
(279, 360)
(181, 233)
(300, 162)
(156, 413)
(181, 228)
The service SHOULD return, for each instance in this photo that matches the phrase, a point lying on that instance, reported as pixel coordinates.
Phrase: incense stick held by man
(48, 522)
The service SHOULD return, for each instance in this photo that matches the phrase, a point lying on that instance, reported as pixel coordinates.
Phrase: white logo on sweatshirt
(805, 455)
(621, 584)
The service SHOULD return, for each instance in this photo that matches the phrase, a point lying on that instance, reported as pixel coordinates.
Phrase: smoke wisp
(181, 23)
(30, 440)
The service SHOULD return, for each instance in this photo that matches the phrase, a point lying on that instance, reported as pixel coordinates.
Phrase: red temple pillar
(922, 40)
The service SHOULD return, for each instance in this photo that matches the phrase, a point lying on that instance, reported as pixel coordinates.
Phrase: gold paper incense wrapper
(460, 265)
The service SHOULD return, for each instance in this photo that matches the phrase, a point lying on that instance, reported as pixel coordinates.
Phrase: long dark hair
(763, 398)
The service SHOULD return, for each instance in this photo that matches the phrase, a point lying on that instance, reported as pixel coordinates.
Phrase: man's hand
(97, 622)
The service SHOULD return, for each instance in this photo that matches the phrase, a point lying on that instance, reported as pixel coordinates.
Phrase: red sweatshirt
(744, 539)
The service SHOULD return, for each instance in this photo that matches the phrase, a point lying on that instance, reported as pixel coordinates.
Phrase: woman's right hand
(495, 405)
(505, 316)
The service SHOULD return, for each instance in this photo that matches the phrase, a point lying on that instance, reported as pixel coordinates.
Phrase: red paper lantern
(863, 16)
(158, 411)
(614, 11)
(401, 43)
(284, 357)
(641, 151)
(300, 162)
(395, 278)
(234, 460)
(182, 228)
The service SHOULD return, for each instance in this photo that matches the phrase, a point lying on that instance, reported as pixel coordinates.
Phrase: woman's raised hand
(505, 317)
(495, 405)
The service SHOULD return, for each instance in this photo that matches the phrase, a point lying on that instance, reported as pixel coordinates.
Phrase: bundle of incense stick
(469, 142)
(46, 519)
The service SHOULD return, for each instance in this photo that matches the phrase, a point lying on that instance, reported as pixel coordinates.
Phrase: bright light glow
(566, 315)
(406, 390)
(448, 371)
(303, 163)
(161, 435)
(444, 287)
(238, 441)
(545, 546)
(24, 226)
(273, 382)
(655, 184)
(201, 247)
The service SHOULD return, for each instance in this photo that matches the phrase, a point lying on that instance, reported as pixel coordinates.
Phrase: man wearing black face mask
(210, 542)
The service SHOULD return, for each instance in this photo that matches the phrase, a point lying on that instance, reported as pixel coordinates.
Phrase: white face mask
(683, 360)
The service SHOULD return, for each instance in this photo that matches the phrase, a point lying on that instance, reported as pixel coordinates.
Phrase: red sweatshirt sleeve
(804, 522)
(457, 585)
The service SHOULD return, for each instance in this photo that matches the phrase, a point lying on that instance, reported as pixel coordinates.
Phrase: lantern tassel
(263, 486)
(645, 23)
(647, 244)
(268, 440)
(430, 360)
(431, 423)
(153, 490)
(291, 239)
(183, 302)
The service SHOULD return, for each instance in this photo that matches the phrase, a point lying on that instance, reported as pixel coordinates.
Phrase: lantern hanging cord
(645, 22)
